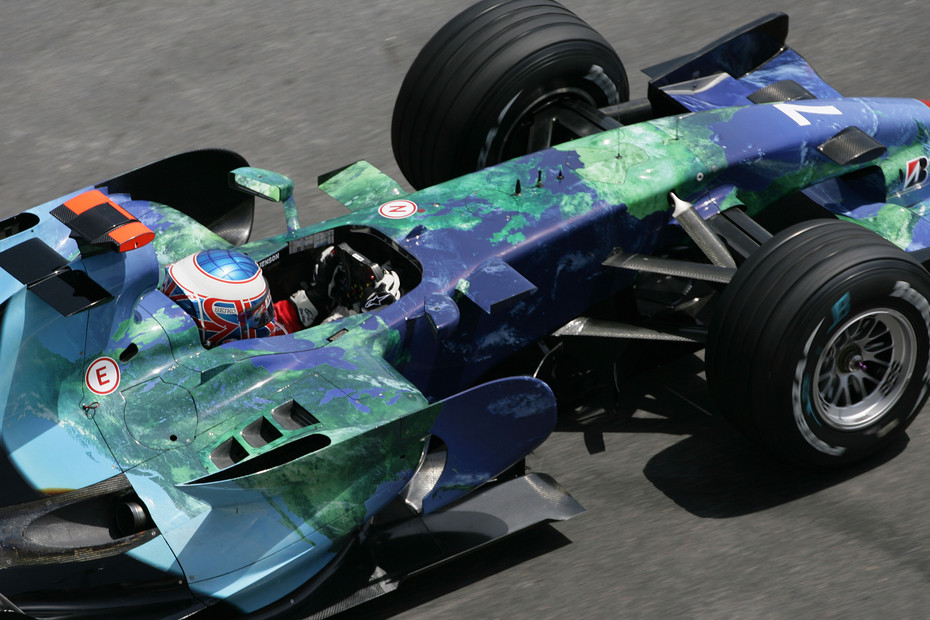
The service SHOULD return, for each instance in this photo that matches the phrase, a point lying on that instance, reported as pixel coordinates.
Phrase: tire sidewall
(862, 289)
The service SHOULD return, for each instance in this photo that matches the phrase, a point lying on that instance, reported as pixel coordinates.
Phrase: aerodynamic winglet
(360, 185)
(47, 274)
(96, 219)
(736, 53)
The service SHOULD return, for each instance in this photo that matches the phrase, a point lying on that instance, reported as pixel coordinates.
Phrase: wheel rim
(864, 369)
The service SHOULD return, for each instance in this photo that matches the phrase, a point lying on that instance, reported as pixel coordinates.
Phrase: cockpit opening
(335, 273)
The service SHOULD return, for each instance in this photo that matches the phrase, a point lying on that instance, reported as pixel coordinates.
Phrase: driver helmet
(226, 294)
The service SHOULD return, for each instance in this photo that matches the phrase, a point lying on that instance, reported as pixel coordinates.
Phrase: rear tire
(820, 348)
(467, 98)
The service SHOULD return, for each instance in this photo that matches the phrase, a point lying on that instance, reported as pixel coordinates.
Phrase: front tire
(820, 348)
(470, 97)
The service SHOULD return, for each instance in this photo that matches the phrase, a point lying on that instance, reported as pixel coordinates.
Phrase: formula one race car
(168, 450)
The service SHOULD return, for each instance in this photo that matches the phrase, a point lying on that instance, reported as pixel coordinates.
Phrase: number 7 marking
(796, 111)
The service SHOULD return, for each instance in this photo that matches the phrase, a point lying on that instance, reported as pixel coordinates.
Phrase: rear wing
(749, 65)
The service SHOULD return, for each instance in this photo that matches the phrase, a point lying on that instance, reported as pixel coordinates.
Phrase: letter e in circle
(102, 376)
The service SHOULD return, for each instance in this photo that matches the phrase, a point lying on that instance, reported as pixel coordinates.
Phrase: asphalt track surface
(684, 518)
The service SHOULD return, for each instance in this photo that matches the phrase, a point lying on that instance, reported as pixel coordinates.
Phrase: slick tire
(820, 348)
(477, 82)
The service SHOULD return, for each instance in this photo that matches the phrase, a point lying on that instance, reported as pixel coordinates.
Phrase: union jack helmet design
(225, 292)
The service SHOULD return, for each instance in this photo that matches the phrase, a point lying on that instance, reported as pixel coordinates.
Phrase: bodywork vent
(228, 453)
(260, 433)
(291, 416)
(281, 455)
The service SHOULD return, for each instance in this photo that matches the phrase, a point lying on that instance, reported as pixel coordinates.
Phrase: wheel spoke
(857, 388)
(829, 388)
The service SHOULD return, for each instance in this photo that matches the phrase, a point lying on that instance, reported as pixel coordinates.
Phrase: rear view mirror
(270, 186)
